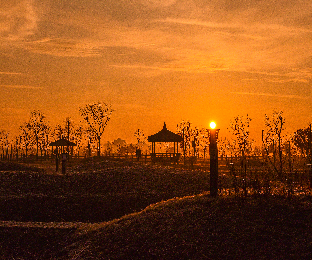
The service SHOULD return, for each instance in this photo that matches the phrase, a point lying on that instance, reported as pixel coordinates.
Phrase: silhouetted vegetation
(262, 189)
(188, 226)
(280, 160)
(97, 116)
(302, 140)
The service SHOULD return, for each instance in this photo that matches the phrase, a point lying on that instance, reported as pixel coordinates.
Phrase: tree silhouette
(77, 137)
(4, 142)
(185, 131)
(26, 140)
(44, 141)
(120, 145)
(69, 131)
(203, 140)
(240, 130)
(69, 128)
(97, 116)
(139, 135)
(58, 132)
(195, 140)
(273, 140)
(302, 140)
(37, 127)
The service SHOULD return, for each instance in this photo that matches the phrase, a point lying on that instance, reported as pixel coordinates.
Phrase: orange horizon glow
(156, 61)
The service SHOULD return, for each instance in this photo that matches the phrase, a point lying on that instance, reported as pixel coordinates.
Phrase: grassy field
(92, 191)
(34, 243)
(199, 227)
(139, 211)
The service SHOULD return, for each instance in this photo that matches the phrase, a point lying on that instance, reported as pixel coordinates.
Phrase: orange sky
(156, 61)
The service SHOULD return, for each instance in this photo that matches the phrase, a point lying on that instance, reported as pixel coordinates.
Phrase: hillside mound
(198, 227)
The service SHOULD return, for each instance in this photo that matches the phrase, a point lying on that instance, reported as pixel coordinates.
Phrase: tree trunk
(280, 155)
(99, 147)
(37, 143)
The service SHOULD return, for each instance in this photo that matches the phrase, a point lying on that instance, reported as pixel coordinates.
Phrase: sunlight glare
(213, 125)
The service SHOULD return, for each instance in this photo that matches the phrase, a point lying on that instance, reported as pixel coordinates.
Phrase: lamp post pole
(213, 152)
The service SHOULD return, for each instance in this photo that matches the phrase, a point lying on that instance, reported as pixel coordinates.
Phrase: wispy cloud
(62, 47)
(18, 19)
(295, 75)
(243, 38)
(121, 49)
(270, 95)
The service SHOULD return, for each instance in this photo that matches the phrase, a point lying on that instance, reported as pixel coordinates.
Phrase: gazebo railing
(162, 157)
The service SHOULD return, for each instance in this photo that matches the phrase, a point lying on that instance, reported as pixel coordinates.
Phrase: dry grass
(199, 227)
(92, 191)
(33, 243)
(187, 226)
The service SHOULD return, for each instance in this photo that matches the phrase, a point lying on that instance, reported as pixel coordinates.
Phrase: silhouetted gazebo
(166, 136)
(62, 143)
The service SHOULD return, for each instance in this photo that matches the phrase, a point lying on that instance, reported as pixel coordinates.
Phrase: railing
(165, 157)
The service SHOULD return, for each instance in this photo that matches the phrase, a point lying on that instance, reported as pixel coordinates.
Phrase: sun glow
(213, 125)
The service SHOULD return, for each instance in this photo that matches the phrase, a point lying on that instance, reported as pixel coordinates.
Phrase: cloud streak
(256, 36)
(18, 20)
(124, 49)
(270, 95)
(62, 47)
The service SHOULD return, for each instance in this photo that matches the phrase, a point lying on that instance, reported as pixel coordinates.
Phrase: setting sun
(213, 125)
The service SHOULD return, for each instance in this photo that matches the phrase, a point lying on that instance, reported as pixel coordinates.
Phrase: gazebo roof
(165, 135)
(62, 142)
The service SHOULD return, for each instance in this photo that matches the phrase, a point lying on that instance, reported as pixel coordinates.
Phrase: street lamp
(213, 152)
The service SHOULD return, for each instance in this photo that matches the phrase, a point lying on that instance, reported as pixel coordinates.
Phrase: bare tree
(185, 131)
(4, 142)
(78, 136)
(44, 141)
(26, 139)
(302, 140)
(97, 116)
(65, 130)
(203, 140)
(273, 140)
(17, 147)
(38, 127)
(240, 130)
(141, 138)
(69, 128)
(195, 141)
(58, 132)
(223, 146)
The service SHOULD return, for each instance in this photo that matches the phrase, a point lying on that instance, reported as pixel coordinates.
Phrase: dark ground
(196, 227)
(91, 191)
(33, 243)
